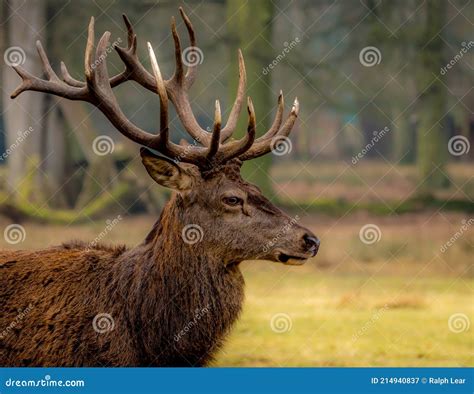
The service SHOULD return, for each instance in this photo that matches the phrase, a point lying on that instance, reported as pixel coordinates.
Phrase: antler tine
(263, 146)
(276, 122)
(46, 65)
(237, 148)
(134, 69)
(53, 85)
(278, 118)
(273, 130)
(161, 90)
(26, 77)
(162, 142)
(237, 107)
(88, 56)
(131, 36)
(177, 89)
(179, 70)
(131, 51)
(30, 82)
(176, 86)
(98, 85)
(192, 68)
(69, 79)
(216, 134)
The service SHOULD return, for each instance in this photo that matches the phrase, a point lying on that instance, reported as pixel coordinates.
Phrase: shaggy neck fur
(185, 300)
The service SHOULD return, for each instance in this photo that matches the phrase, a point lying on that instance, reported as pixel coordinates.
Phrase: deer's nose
(312, 243)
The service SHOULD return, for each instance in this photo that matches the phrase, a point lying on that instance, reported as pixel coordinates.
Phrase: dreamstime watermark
(378, 135)
(21, 315)
(187, 149)
(459, 322)
(103, 323)
(458, 145)
(14, 56)
(369, 323)
(103, 56)
(281, 145)
(465, 224)
(103, 145)
(14, 234)
(192, 56)
(20, 138)
(370, 234)
(284, 230)
(281, 323)
(288, 46)
(198, 315)
(109, 225)
(465, 48)
(45, 382)
(192, 233)
(370, 56)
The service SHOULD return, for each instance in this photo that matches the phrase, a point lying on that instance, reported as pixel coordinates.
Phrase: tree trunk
(24, 21)
(250, 28)
(404, 136)
(101, 171)
(432, 144)
(54, 152)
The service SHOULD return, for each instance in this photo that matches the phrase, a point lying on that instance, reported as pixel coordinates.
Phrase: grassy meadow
(350, 320)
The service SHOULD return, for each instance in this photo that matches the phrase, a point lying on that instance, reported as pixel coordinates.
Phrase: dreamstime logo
(14, 234)
(458, 145)
(280, 323)
(102, 323)
(108, 50)
(21, 137)
(465, 224)
(192, 233)
(198, 315)
(459, 322)
(284, 230)
(288, 46)
(187, 149)
(14, 56)
(45, 382)
(192, 56)
(370, 56)
(109, 225)
(21, 315)
(103, 145)
(281, 146)
(376, 316)
(370, 234)
(457, 57)
(378, 135)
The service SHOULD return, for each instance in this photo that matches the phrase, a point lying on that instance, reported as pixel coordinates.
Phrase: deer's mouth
(292, 259)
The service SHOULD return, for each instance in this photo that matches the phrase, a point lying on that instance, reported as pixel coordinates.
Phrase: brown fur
(153, 291)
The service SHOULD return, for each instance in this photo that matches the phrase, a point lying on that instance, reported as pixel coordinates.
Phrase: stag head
(208, 188)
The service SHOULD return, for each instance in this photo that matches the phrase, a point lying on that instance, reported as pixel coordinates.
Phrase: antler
(97, 90)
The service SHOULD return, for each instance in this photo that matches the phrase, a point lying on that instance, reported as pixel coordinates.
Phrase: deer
(173, 299)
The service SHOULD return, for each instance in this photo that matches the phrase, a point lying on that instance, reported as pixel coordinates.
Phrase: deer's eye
(232, 201)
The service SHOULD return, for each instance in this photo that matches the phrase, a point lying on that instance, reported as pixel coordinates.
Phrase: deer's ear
(165, 172)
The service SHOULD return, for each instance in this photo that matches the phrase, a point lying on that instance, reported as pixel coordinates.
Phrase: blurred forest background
(384, 138)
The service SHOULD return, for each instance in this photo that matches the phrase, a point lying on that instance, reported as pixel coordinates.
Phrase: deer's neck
(186, 300)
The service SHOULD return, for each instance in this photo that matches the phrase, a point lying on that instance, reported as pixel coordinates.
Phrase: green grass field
(323, 319)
